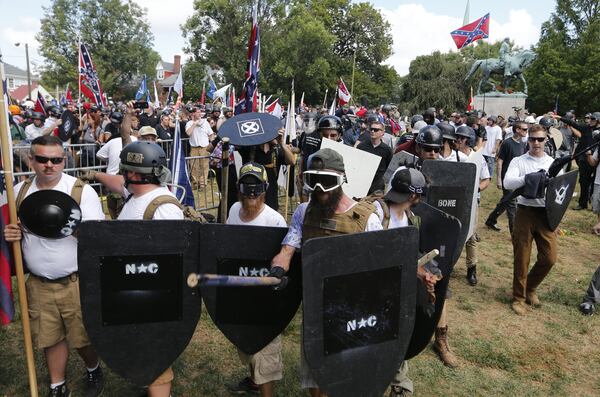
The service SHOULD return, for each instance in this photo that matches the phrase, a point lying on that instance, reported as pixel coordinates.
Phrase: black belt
(61, 280)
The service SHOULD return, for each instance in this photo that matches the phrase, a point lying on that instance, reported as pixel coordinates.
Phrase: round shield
(249, 129)
(557, 136)
(50, 214)
(68, 126)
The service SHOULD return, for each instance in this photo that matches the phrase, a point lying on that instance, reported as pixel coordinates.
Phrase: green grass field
(552, 351)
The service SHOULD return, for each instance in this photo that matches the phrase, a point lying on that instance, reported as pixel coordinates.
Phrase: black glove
(278, 272)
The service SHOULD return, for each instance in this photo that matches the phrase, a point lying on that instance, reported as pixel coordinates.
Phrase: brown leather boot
(442, 349)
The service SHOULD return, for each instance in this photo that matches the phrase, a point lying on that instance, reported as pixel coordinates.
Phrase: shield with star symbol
(359, 301)
(250, 317)
(137, 309)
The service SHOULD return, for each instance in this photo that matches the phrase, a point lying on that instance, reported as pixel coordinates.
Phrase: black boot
(472, 275)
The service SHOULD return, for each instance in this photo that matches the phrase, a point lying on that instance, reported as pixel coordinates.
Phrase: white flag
(222, 93)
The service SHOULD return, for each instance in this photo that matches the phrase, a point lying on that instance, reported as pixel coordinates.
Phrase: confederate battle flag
(249, 97)
(89, 82)
(479, 29)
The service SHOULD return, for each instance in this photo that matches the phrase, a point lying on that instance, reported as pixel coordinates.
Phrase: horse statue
(511, 68)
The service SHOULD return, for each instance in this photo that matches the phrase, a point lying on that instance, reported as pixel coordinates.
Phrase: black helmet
(53, 110)
(466, 131)
(387, 108)
(330, 123)
(595, 116)
(146, 158)
(414, 119)
(447, 131)
(208, 108)
(38, 116)
(512, 119)
(430, 136)
(547, 122)
(429, 116)
(372, 118)
(116, 117)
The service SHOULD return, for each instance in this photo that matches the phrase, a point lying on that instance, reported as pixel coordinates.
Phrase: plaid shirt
(215, 156)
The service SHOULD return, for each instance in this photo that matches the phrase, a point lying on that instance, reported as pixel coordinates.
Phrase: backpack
(189, 213)
(385, 222)
(76, 191)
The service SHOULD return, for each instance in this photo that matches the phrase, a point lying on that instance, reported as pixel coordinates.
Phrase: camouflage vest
(352, 221)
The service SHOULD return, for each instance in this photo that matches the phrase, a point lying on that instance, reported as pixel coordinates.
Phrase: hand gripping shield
(137, 309)
(249, 317)
(358, 308)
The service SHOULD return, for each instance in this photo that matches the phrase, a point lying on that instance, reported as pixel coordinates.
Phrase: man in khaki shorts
(200, 135)
(53, 285)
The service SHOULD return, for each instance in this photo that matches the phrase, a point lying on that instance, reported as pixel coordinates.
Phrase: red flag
(343, 94)
(470, 105)
(7, 306)
(40, 104)
(89, 82)
(249, 97)
(274, 108)
(68, 96)
(232, 98)
(203, 96)
(476, 30)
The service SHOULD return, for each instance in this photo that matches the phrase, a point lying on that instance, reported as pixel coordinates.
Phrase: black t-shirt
(383, 151)
(310, 144)
(509, 149)
(148, 120)
(164, 133)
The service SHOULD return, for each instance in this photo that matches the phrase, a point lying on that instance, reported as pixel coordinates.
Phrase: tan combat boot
(442, 349)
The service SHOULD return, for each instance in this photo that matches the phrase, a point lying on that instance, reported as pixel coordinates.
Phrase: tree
(116, 34)
(568, 61)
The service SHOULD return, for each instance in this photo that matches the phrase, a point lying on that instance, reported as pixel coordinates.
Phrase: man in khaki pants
(200, 135)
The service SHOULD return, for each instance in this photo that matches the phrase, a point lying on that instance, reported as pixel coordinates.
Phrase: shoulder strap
(386, 213)
(77, 190)
(23, 191)
(157, 202)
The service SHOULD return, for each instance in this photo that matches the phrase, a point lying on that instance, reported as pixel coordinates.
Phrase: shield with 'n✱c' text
(137, 309)
(558, 196)
(358, 308)
(250, 317)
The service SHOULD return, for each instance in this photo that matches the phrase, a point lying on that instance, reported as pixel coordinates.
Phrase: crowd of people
(128, 139)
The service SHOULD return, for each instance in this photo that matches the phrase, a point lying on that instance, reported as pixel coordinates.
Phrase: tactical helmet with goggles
(253, 180)
(147, 159)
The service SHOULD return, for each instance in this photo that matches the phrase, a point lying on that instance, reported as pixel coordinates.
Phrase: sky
(418, 27)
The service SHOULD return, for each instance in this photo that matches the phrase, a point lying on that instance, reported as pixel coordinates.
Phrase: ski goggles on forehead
(325, 180)
(252, 189)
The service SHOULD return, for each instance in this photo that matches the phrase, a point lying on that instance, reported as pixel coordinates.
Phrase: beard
(251, 207)
(326, 209)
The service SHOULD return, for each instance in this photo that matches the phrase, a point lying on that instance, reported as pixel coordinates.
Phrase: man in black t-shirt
(377, 147)
(509, 149)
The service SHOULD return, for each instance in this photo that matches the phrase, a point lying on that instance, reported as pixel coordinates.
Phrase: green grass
(552, 351)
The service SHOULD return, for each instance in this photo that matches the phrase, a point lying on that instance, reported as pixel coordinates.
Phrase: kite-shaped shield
(440, 231)
(250, 317)
(358, 308)
(398, 160)
(68, 126)
(137, 309)
(451, 189)
(558, 196)
(249, 129)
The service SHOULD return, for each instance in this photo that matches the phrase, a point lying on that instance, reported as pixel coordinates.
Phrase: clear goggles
(325, 180)
(252, 189)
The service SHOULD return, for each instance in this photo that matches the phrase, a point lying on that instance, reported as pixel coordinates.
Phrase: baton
(427, 257)
(222, 280)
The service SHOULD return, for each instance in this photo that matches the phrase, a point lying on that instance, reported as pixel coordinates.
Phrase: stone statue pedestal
(498, 103)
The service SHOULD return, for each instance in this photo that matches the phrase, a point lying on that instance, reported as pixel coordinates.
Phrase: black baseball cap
(405, 182)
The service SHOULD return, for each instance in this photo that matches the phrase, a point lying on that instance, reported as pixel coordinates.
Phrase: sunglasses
(325, 180)
(431, 149)
(252, 189)
(534, 139)
(44, 160)
(376, 129)
(523, 129)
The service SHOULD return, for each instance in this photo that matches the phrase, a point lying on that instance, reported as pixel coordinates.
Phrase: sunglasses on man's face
(536, 139)
(376, 129)
(44, 160)
(431, 149)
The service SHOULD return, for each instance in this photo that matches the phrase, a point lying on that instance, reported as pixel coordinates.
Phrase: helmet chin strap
(143, 181)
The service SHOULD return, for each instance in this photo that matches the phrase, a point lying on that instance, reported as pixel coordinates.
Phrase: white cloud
(23, 31)
(416, 31)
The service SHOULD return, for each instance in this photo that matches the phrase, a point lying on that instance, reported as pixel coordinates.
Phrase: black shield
(249, 129)
(399, 159)
(50, 214)
(558, 196)
(438, 230)
(68, 126)
(451, 189)
(137, 309)
(250, 317)
(359, 305)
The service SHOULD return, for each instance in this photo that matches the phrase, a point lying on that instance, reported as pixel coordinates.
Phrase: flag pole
(290, 119)
(353, 67)
(325, 99)
(16, 246)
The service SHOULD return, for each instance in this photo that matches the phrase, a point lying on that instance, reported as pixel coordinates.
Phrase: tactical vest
(352, 221)
(76, 191)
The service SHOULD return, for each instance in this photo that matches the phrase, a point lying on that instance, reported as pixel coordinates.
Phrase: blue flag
(212, 88)
(142, 91)
(179, 171)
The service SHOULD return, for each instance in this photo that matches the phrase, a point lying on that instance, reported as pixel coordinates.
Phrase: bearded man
(329, 212)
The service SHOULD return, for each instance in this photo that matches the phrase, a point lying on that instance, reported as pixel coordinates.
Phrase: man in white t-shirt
(200, 135)
(266, 366)
(494, 138)
(53, 284)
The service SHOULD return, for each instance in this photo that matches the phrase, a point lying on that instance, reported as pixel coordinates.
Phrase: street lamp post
(28, 68)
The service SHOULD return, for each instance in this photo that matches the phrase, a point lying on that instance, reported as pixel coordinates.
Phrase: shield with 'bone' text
(137, 309)
(250, 317)
(558, 196)
(358, 307)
